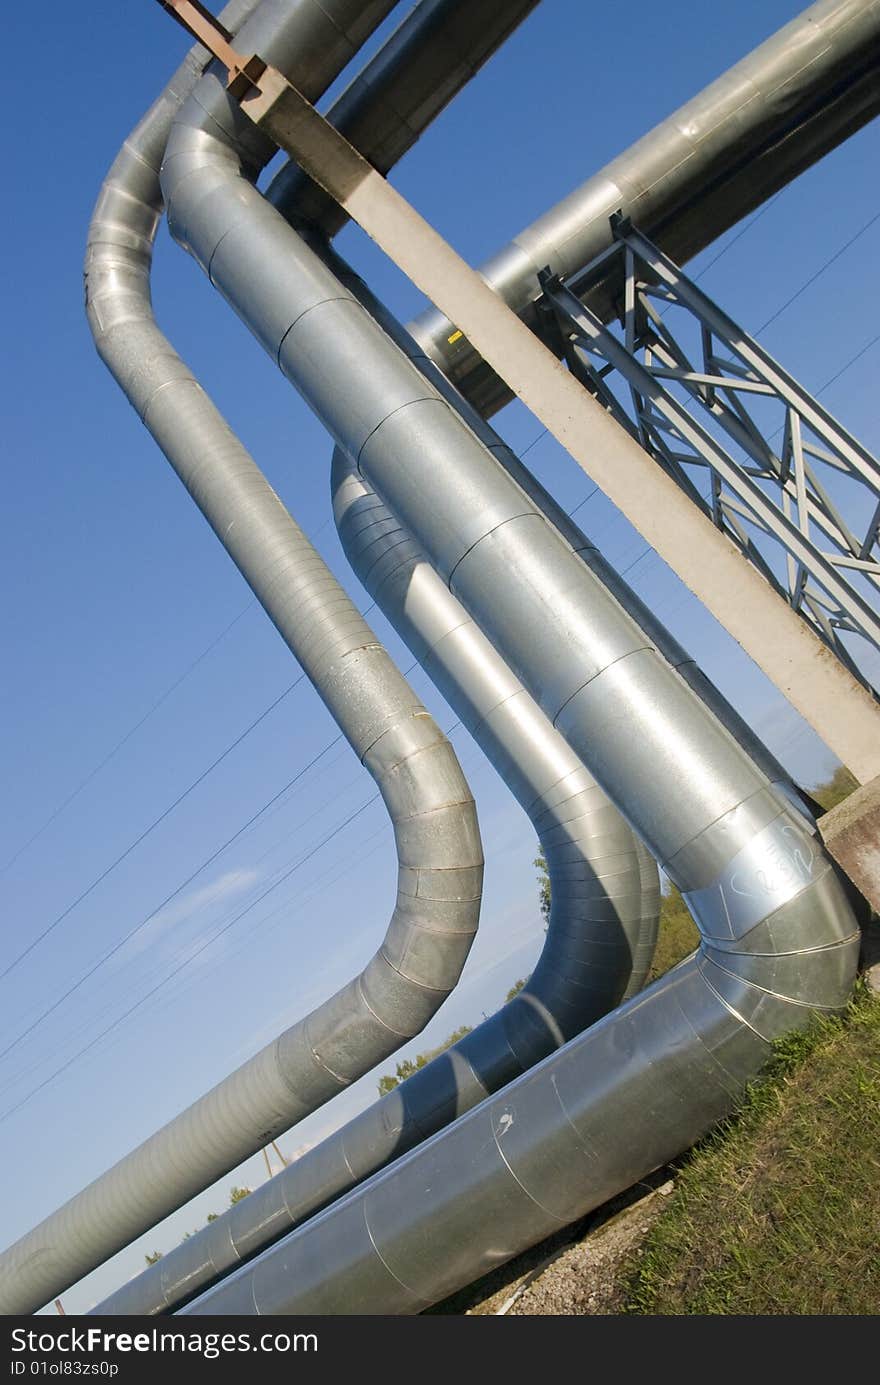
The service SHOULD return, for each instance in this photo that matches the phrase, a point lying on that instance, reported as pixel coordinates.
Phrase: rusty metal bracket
(244, 72)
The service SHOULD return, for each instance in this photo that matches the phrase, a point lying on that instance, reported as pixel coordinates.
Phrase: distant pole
(268, 1165)
(284, 1161)
(59, 1307)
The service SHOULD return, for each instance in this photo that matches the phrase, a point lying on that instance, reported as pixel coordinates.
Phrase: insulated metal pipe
(436, 833)
(654, 630)
(706, 811)
(566, 636)
(393, 100)
(622, 1099)
(437, 49)
(786, 104)
(601, 934)
(605, 889)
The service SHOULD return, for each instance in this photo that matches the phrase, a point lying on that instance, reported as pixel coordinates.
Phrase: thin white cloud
(186, 907)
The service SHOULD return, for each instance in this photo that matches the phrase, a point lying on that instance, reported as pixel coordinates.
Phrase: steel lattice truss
(792, 488)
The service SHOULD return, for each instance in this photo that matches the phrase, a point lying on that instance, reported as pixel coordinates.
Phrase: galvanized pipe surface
(779, 937)
(436, 833)
(436, 50)
(599, 944)
(589, 1121)
(654, 630)
(772, 115)
(605, 888)
(395, 98)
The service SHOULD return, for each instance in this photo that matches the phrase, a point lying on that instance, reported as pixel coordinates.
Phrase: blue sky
(115, 589)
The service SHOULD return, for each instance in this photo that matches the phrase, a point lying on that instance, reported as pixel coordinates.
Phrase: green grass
(778, 1211)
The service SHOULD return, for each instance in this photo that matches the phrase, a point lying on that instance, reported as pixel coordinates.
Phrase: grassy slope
(778, 1212)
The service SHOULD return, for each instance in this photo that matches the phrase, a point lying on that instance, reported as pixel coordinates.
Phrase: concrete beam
(851, 833)
(781, 644)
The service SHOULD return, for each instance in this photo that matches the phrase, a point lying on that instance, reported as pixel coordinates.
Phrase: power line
(148, 830)
(207, 943)
(819, 272)
(739, 235)
(56, 813)
(111, 952)
(857, 357)
(534, 443)
(64, 1067)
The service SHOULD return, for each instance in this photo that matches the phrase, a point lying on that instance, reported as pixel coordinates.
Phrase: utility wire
(64, 1067)
(819, 272)
(857, 357)
(56, 813)
(111, 952)
(739, 235)
(200, 779)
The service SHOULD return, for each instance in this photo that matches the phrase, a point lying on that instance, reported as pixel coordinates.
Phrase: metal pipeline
(654, 630)
(601, 934)
(437, 49)
(806, 882)
(603, 920)
(779, 938)
(403, 88)
(622, 1099)
(433, 814)
(605, 889)
(786, 104)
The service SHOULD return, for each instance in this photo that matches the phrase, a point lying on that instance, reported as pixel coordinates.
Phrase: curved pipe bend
(589, 1121)
(435, 826)
(779, 937)
(604, 885)
(599, 944)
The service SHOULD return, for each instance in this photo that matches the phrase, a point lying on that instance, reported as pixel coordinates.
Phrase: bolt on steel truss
(796, 492)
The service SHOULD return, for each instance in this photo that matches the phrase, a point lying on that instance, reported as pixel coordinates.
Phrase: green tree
(516, 988)
(407, 1066)
(834, 790)
(543, 885)
(235, 1195)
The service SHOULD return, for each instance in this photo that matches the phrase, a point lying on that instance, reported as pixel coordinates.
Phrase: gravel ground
(577, 1272)
(586, 1277)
